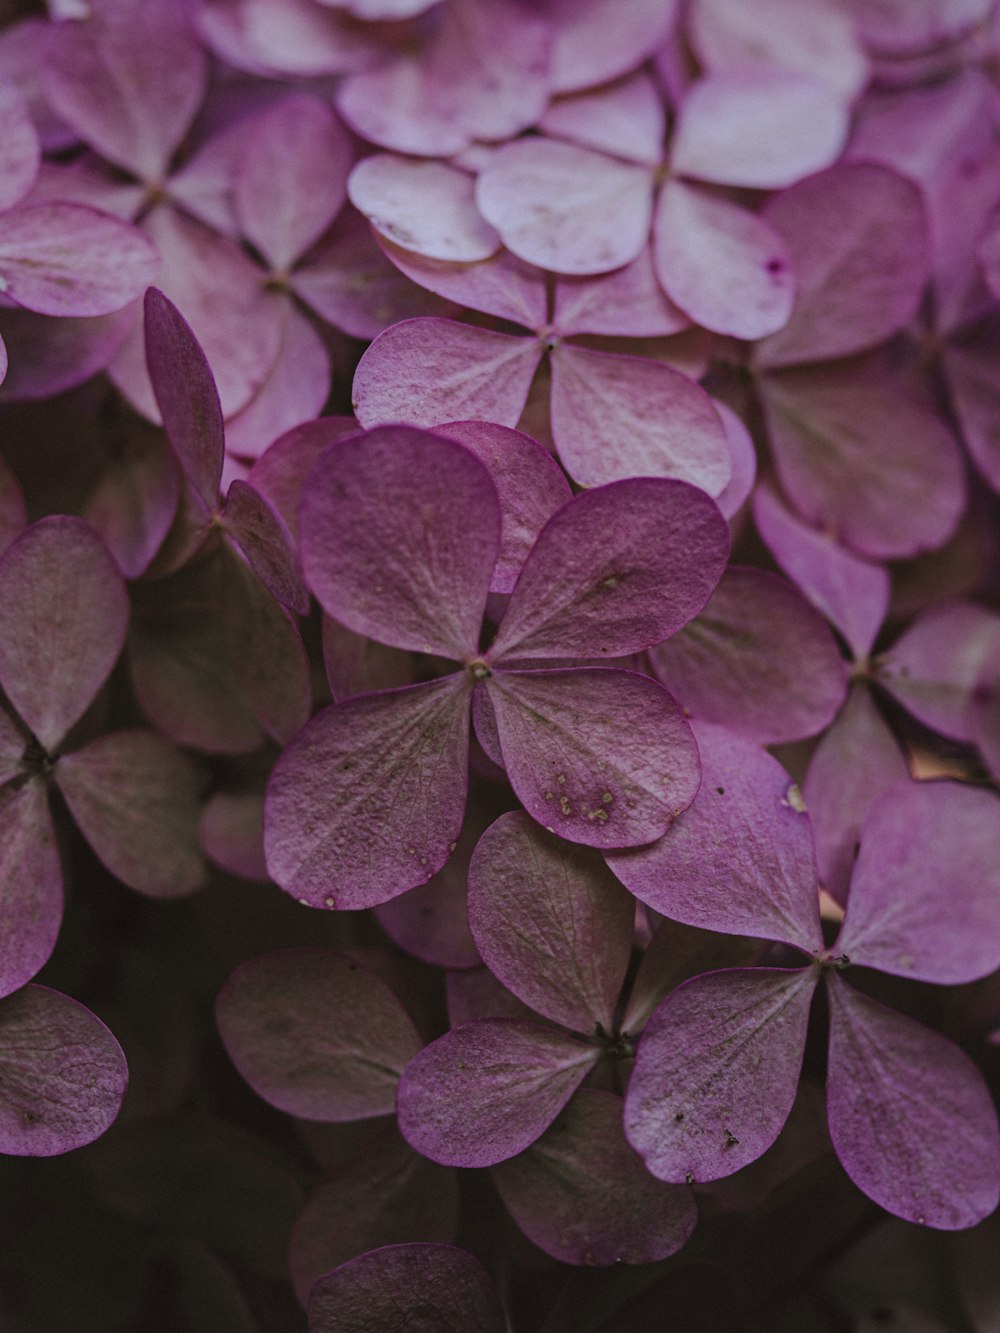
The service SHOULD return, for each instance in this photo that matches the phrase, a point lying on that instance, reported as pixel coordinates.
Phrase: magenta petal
(315, 1034)
(292, 181)
(280, 473)
(759, 126)
(131, 100)
(601, 757)
(31, 890)
(267, 544)
(615, 570)
(619, 1214)
(400, 533)
(926, 884)
(628, 303)
(347, 821)
(530, 486)
(428, 1286)
(62, 1071)
(740, 859)
(627, 416)
(186, 396)
(724, 266)
(902, 27)
(551, 922)
(565, 208)
(743, 462)
(853, 764)
(932, 669)
(297, 38)
(757, 659)
(68, 259)
(597, 40)
(427, 207)
(63, 616)
(717, 1071)
(863, 457)
(852, 593)
(20, 153)
(426, 371)
(857, 235)
(137, 802)
(485, 1091)
(910, 1116)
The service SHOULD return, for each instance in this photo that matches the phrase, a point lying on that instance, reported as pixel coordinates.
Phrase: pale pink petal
(68, 259)
(267, 544)
(315, 1034)
(853, 764)
(400, 533)
(908, 27)
(717, 1071)
(852, 593)
(427, 371)
(757, 659)
(628, 303)
(597, 40)
(565, 208)
(910, 1117)
(297, 37)
(759, 126)
(292, 181)
(616, 569)
(20, 152)
(231, 833)
(20, 43)
(503, 286)
(63, 616)
(426, 207)
(529, 483)
(349, 821)
(740, 859)
(626, 119)
(373, 11)
(31, 888)
(49, 355)
(600, 757)
(137, 802)
(742, 458)
(398, 106)
(64, 1074)
(724, 266)
(926, 884)
(618, 1214)
(865, 457)
(551, 922)
(485, 1091)
(626, 416)
(133, 101)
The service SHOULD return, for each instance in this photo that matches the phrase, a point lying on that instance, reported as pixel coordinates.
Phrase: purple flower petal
(853, 764)
(186, 396)
(529, 483)
(231, 833)
(426, 371)
(740, 859)
(933, 667)
(63, 616)
(292, 181)
(597, 40)
(743, 461)
(400, 533)
(864, 458)
(614, 570)
(901, 27)
(627, 303)
(431, 1285)
(485, 1091)
(910, 1116)
(133, 100)
(626, 416)
(13, 744)
(503, 285)
(983, 718)
(857, 235)
(49, 355)
(297, 37)
(280, 473)
(717, 1071)
(626, 120)
(20, 153)
(926, 884)
(427, 207)
(852, 593)
(348, 822)
(601, 757)
(31, 888)
(970, 369)
(315, 1034)
(620, 1214)
(267, 544)
(136, 801)
(724, 266)
(356, 665)
(551, 922)
(68, 259)
(398, 106)
(757, 659)
(63, 1074)
(565, 208)
(135, 500)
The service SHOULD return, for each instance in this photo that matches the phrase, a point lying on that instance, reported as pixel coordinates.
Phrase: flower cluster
(499, 665)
